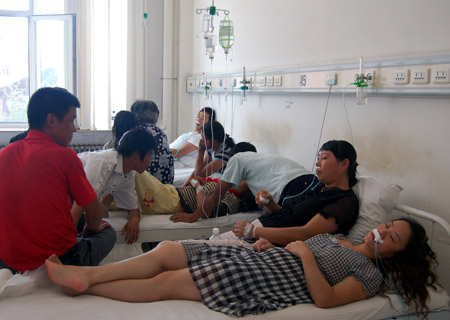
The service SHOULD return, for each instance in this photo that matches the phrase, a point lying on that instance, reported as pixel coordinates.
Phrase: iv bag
(226, 34)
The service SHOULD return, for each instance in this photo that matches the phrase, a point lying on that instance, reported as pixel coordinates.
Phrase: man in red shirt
(40, 179)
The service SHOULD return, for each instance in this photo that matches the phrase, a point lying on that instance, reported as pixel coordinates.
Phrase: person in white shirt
(185, 147)
(111, 173)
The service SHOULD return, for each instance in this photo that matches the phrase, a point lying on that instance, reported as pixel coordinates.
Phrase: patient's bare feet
(68, 277)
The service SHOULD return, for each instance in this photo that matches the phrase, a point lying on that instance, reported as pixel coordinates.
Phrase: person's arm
(184, 150)
(77, 212)
(200, 162)
(323, 294)
(210, 168)
(242, 188)
(131, 229)
(282, 236)
(93, 216)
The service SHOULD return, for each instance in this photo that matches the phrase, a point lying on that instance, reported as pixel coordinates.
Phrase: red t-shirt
(38, 182)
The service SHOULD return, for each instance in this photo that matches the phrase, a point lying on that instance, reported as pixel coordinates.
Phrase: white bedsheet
(47, 302)
(160, 227)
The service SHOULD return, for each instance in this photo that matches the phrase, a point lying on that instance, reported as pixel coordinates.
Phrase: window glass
(51, 54)
(49, 6)
(14, 91)
(14, 5)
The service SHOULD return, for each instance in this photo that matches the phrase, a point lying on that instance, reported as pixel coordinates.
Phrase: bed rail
(434, 219)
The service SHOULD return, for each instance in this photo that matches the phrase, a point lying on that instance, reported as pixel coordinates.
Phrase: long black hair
(413, 269)
(215, 131)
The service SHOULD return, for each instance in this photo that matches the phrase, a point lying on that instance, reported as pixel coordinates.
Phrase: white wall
(402, 140)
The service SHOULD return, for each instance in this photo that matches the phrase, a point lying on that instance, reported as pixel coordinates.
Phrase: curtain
(121, 58)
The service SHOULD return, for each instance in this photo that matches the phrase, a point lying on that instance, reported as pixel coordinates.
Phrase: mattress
(47, 302)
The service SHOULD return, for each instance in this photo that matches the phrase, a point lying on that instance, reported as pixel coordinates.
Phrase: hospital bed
(46, 301)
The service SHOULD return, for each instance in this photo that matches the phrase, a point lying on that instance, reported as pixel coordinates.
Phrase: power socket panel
(421, 76)
(441, 75)
(401, 76)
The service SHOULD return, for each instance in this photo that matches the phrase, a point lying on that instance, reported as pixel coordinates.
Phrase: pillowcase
(376, 201)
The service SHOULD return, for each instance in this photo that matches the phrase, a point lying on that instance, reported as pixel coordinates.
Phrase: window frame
(70, 48)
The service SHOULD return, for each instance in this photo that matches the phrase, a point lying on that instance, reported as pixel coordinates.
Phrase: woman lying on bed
(324, 203)
(326, 270)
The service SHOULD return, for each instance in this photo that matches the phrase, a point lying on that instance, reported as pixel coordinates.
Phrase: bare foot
(71, 278)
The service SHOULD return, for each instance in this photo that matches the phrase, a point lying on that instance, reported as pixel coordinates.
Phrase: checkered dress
(239, 281)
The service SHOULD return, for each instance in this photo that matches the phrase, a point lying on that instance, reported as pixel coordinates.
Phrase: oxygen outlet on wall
(361, 83)
(244, 88)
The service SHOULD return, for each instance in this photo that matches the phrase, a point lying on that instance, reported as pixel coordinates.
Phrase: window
(35, 51)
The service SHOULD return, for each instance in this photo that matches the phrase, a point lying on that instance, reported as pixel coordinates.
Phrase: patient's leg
(168, 285)
(166, 256)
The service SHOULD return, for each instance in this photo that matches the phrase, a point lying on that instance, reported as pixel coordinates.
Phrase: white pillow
(376, 200)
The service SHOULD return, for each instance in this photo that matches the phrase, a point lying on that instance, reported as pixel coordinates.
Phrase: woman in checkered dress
(326, 270)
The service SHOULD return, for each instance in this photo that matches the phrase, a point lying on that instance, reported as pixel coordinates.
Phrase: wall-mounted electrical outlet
(269, 81)
(331, 79)
(420, 76)
(262, 81)
(277, 81)
(441, 75)
(401, 76)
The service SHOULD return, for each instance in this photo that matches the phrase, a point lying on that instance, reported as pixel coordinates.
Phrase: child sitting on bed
(326, 270)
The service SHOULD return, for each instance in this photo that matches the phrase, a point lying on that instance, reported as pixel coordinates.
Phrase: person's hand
(102, 226)
(263, 198)
(131, 230)
(262, 244)
(183, 217)
(199, 180)
(298, 248)
(240, 227)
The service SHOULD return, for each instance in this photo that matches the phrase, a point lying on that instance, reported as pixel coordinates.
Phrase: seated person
(185, 147)
(111, 173)
(234, 200)
(123, 122)
(161, 166)
(41, 177)
(218, 146)
(326, 270)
